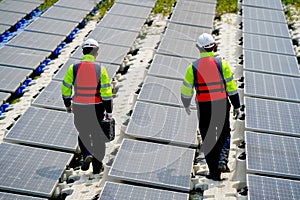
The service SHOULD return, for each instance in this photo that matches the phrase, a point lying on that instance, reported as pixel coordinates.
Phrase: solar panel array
(28, 167)
(154, 164)
(28, 170)
(272, 79)
(118, 191)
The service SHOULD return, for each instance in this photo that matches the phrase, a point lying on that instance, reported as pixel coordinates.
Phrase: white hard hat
(205, 40)
(90, 43)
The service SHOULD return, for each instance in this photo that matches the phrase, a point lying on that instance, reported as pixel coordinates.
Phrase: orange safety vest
(86, 83)
(208, 79)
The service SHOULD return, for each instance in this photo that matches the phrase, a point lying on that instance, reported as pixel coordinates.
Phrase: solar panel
(268, 44)
(107, 54)
(3, 97)
(271, 4)
(199, 7)
(67, 14)
(169, 66)
(32, 171)
(3, 28)
(192, 18)
(263, 14)
(272, 116)
(18, 6)
(36, 41)
(146, 3)
(161, 91)
(261, 187)
(118, 191)
(87, 5)
(179, 48)
(184, 32)
(130, 10)
(270, 63)
(9, 196)
(266, 28)
(266, 86)
(50, 97)
(52, 26)
(21, 57)
(114, 36)
(111, 69)
(272, 155)
(45, 128)
(154, 164)
(203, 1)
(122, 22)
(164, 124)
(10, 18)
(12, 78)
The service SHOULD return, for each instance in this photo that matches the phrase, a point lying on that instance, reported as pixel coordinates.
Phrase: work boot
(224, 168)
(213, 177)
(86, 163)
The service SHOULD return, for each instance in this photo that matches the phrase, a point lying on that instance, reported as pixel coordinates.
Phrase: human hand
(188, 110)
(236, 112)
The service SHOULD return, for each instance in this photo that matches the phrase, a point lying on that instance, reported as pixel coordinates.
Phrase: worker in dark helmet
(213, 82)
(90, 103)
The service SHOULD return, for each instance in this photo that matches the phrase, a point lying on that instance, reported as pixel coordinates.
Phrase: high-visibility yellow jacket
(68, 82)
(187, 88)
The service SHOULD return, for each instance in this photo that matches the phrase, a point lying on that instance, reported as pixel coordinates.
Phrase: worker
(213, 82)
(90, 103)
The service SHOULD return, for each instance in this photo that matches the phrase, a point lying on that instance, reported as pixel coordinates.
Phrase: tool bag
(108, 127)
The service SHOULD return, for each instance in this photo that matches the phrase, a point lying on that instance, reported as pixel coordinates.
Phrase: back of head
(90, 46)
(206, 42)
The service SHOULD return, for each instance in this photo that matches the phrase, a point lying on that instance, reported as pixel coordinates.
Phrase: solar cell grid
(9, 196)
(170, 166)
(163, 123)
(12, 78)
(265, 85)
(67, 14)
(18, 6)
(179, 48)
(270, 154)
(130, 10)
(272, 116)
(266, 28)
(263, 14)
(199, 7)
(169, 66)
(21, 57)
(270, 4)
(114, 36)
(40, 127)
(86, 5)
(33, 171)
(52, 26)
(119, 191)
(36, 41)
(146, 3)
(261, 187)
(268, 44)
(192, 18)
(270, 63)
(3, 97)
(122, 22)
(10, 18)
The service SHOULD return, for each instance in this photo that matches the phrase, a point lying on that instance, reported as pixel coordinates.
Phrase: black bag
(108, 127)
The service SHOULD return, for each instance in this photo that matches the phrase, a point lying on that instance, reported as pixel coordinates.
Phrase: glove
(188, 110)
(69, 109)
(236, 112)
(108, 116)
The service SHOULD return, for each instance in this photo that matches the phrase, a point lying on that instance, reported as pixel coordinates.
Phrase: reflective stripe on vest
(209, 84)
(86, 83)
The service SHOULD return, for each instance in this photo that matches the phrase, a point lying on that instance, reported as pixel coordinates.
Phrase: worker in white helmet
(92, 98)
(213, 82)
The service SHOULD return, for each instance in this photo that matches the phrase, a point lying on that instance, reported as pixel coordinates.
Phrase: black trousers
(91, 138)
(214, 128)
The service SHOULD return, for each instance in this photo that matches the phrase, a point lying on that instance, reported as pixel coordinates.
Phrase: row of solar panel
(29, 170)
(272, 102)
(29, 49)
(158, 116)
